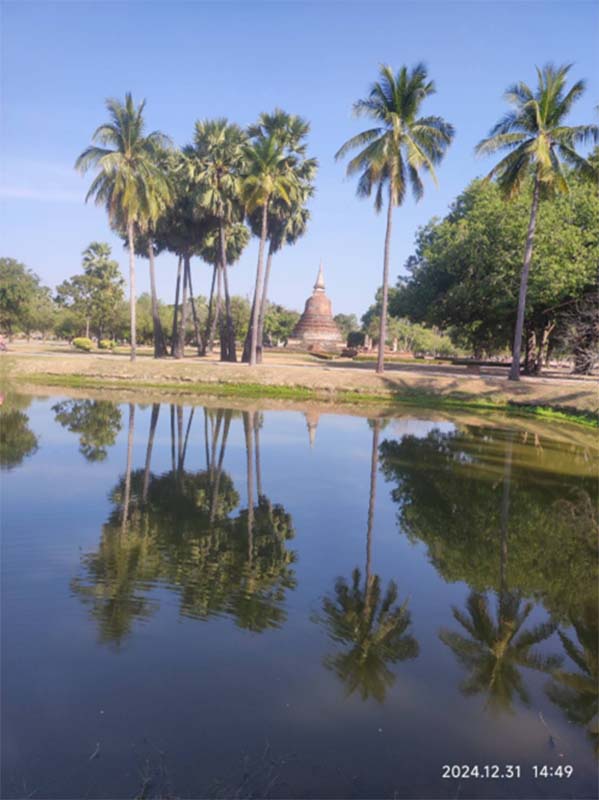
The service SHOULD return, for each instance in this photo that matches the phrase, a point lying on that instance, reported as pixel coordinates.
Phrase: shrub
(106, 344)
(83, 343)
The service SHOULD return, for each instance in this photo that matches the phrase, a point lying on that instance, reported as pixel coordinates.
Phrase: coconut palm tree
(393, 154)
(216, 160)
(268, 177)
(286, 223)
(237, 238)
(130, 182)
(538, 143)
(494, 652)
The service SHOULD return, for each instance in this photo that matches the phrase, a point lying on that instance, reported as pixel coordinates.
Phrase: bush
(106, 344)
(83, 343)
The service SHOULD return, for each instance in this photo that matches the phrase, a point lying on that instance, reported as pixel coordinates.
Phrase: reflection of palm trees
(494, 652)
(376, 631)
(577, 693)
(176, 529)
(368, 620)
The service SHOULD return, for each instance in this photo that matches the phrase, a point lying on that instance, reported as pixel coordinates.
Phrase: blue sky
(196, 60)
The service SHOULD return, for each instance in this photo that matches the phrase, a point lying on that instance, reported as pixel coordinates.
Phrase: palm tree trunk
(380, 364)
(132, 298)
(263, 302)
(196, 322)
(217, 308)
(187, 430)
(86, 328)
(153, 423)
(247, 342)
(207, 343)
(127, 493)
(227, 345)
(374, 460)
(183, 322)
(159, 344)
(175, 337)
(532, 224)
(258, 287)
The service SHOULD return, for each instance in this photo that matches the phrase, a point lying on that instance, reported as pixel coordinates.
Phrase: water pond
(209, 602)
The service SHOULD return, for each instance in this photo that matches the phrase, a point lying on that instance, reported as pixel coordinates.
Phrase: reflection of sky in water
(205, 692)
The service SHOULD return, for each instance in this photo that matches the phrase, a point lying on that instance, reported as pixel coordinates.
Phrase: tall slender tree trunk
(247, 342)
(132, 297)
(532, 224)
(159, 343)
(196, 322)
(127, 493)
(183, 318)
(380, 364)
(227, 345)
(263, 304)
(217, 308)
(374, 460)
(186, 440)
(207, 345)
(258, 287)
(86, 329)
(153, 423)
(175, 336)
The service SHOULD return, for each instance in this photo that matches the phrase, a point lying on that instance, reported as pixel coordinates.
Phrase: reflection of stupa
(316, 329)
(312, 417)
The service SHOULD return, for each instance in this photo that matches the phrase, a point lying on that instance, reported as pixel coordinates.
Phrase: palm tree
(537, 142)
(494, 653)
(217, 157)
(237, 238)
(268, 177)
(286, 222)
(393, 154)
(130, 182)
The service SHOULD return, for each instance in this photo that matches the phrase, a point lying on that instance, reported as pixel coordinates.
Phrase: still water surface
(203, 602)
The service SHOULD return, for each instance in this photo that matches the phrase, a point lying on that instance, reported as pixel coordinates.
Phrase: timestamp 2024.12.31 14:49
(506, 771)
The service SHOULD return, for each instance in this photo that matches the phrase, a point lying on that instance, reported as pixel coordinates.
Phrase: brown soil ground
(329, 379)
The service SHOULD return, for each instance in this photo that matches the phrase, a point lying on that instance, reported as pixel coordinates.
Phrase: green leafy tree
(24, 303)
(537, 141)
(279, 323)
(94, 296)
(347, 323)
(393, 154)
(130, 181)
(465, 272)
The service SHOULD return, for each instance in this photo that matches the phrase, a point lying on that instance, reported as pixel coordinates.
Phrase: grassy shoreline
(415, 398)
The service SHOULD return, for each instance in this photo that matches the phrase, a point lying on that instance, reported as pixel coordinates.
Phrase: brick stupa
(316, 329)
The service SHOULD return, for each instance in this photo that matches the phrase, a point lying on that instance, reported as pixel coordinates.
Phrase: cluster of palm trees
(202, 201)
(199, 200)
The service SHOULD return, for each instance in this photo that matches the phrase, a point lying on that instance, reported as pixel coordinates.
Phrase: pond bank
(340, 382)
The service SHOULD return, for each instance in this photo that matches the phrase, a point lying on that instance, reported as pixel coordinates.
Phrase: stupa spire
(319, 285)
